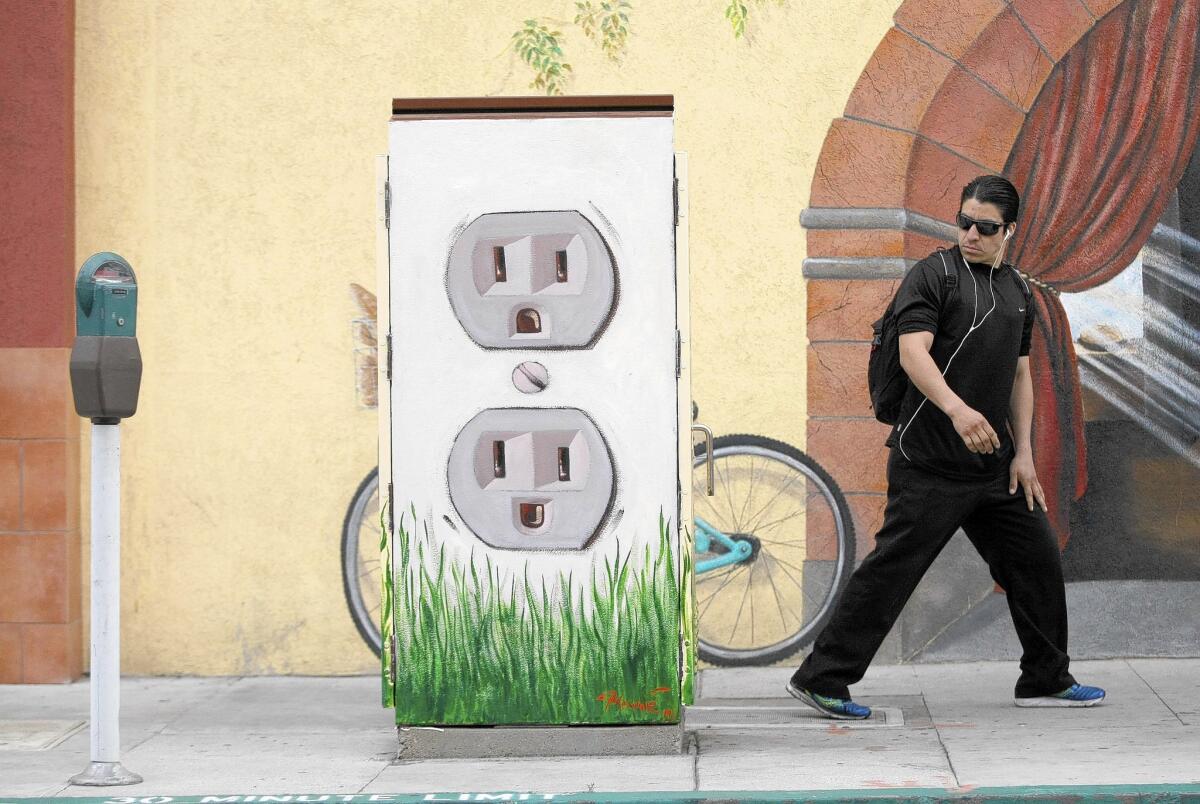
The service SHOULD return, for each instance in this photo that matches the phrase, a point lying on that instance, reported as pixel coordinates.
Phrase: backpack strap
(1024, 285)
(949, 280)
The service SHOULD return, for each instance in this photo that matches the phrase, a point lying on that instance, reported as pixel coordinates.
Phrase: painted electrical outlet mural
(533, 564)
(527, 478)
(533, 280)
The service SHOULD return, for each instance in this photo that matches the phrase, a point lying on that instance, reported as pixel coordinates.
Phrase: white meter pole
(105, 767)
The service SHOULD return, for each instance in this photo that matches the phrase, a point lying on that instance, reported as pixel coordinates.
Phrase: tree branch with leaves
(540, 48)
(605, 22)
(738, 11)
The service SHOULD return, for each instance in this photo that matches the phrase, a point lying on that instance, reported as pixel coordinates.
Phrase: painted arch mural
(1090, 107)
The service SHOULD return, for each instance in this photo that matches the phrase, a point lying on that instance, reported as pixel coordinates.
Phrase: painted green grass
(387, 610)
(476, 645)
(687, 631)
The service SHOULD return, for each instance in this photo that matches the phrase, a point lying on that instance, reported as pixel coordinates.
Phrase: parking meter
(106, 373)
(106, 364)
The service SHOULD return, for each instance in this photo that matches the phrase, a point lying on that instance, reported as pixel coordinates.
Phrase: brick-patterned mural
(1089, 107)
(40, 618)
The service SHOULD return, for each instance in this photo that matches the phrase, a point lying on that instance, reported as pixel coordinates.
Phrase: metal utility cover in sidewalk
(762, 713)
(36, 735)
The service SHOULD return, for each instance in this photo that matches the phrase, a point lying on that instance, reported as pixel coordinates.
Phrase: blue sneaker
(1076, 695)
(836, 708)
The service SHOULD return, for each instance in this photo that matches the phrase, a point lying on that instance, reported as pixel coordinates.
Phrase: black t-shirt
(982, 360)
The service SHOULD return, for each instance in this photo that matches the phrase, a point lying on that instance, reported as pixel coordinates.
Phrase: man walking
(960, 453)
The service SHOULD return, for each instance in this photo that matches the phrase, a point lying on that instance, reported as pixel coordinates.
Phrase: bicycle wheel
(766, 607)
(362, 577)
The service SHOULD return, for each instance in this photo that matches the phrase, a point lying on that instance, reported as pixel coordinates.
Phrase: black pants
(923, 511)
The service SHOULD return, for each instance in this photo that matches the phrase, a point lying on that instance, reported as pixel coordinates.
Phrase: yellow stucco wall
(226, 148)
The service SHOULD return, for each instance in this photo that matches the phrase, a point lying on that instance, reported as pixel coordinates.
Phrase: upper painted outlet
(532, 280)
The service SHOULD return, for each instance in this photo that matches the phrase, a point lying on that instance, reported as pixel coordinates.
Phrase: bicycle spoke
(791, 543)
(775, 589)
(707, 604)
(778, 521)
(737, 527)
(720, 572)
(787, 564)
(764, 525)
(718, 590)
(750, 491)
(804, 510)
(788, 575)
(771, 501)
(727, 578)
(738, 619)
(719, 518)
(750, 585)
(799, 584)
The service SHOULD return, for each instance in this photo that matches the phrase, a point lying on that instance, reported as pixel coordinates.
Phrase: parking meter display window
(113, 272)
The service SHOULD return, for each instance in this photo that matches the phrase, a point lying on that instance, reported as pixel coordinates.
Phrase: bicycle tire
(745, 443)
(366, 625)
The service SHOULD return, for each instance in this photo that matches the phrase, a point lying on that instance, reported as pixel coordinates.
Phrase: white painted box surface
(533, 424)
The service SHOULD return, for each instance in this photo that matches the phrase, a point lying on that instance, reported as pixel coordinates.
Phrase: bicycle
(796, 546)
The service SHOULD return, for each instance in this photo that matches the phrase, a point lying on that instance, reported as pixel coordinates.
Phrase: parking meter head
(106, 297)
(106, 364)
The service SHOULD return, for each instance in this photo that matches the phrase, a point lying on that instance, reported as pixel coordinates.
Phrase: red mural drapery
(1097, 161)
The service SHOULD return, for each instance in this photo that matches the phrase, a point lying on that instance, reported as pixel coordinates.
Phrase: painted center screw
(530, 377)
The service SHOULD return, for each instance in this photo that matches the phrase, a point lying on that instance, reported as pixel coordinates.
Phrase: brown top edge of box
(586, 104)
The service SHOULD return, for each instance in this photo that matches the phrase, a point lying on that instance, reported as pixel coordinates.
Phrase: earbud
(1008, 234)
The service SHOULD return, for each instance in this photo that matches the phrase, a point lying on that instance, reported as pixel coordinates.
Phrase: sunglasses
(986, 228)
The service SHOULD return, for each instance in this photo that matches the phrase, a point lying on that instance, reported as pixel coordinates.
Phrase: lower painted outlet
(531, 478)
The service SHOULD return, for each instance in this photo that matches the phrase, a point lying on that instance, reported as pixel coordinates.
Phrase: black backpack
(886, 380)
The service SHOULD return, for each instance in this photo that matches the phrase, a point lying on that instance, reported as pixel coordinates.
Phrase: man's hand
(1021, 471)
(972, 426)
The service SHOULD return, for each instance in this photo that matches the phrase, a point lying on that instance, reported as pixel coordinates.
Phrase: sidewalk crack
(372, 780)
(696, 761)
(970, 608)
(224, 684)
(148, 738)
(1156, 695)
(942, 743)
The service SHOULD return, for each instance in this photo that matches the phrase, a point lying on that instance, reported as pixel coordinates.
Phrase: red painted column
(40, 618)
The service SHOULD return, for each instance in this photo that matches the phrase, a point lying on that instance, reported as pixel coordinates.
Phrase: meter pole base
(105, 774)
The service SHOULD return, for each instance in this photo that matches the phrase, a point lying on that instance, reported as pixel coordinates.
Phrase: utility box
(536, 413)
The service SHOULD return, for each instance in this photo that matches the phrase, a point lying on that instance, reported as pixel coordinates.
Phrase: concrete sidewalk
(946, 727)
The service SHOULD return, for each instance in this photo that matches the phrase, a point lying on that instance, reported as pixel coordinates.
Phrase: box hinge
(675, 196)
(388, 365)
(391, 513)
(678, 353)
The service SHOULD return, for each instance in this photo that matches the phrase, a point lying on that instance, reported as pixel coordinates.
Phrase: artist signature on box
(613, 699)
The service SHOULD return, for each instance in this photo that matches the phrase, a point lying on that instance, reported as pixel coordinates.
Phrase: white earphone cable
(974, 326)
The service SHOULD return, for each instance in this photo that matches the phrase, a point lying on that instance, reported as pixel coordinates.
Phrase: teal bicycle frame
(706, 534)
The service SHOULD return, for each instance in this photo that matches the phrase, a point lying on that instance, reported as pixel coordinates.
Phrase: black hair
(994, 190)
